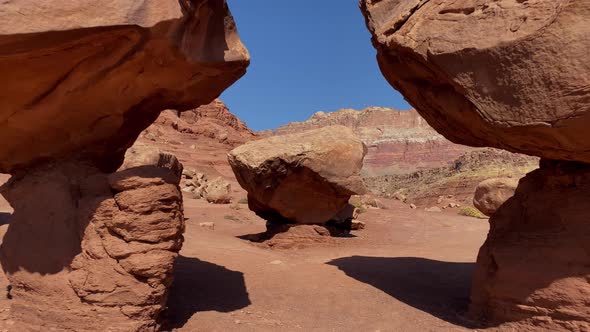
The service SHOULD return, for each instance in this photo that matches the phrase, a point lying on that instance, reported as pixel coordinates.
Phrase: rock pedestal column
(88, 251)
(535, 263)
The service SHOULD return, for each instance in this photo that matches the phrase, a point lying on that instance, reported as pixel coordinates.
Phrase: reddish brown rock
(490, 194)
(304, 178)
(88, 84)
(513, 75)
(99, 249)
(507, 74)
(534, 263)
(397, 141)
(213, 121)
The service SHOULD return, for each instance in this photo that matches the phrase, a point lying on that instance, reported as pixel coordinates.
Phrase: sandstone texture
(507, 74)
(86, 79)
(397, 141)
(490, 194)
(213, 121)
(534, 263)
(99, 249)
(88, 249)
(513, 75)
(303, 178)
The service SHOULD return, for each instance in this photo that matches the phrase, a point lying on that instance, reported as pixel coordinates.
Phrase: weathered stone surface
(490, 194)
(86, 80)
(513, 75)
(98, 254)
(534, 263)
(213, 121)
(303, 178)
(508, 74)
(397, 141)
(217, 191)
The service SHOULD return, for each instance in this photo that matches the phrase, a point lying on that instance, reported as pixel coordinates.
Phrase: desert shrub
(230, 217)
(470, 211)
(243, 200)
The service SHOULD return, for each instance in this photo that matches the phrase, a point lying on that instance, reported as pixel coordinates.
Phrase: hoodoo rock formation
(89, 82)
(397, 141)
(507, 74)
(304, 178)
(513, 75)
(88, 250)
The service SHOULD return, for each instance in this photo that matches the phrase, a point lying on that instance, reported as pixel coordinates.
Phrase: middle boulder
(303, 178)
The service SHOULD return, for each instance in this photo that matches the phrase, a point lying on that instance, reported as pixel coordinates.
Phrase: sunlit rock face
(303, 178)
(88, 249)
(507, 74)
(86, 79)
(513, 75)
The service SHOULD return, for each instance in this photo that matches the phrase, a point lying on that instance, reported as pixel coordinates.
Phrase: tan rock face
(507, 74)
(490, 194)
(397, 141)
(534, 263)
(86, 79)
(99, 249)
(303, 178)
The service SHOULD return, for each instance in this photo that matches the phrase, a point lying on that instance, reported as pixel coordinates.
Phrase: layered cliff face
(397, 141)
(513, 75)
(213, 121)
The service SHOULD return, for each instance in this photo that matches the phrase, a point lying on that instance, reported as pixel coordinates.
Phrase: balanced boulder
(500, 73)
(87, 79)
(303, 178)
(513, 75)
(490, 194)
(88, 250)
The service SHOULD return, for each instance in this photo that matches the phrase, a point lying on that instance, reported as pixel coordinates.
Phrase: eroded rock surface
(92, 80)
(507, 74)
(534, 263)
(304, 178)
(397, 141)
(490, 194)
(513, 75)
(90, 251)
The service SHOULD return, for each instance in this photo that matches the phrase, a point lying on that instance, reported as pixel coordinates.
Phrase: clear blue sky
(307, 56)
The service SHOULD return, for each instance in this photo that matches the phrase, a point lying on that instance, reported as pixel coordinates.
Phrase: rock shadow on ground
(438, 288)
(203, 286)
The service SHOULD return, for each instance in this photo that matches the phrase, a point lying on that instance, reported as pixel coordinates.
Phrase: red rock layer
(398, 141)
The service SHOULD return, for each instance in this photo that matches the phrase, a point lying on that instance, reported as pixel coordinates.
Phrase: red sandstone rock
(508, 74)
(100, 249)
(534, 263)
(213, 121)
(304, 178)
(88, 84)
(397, 141)
(513, 75)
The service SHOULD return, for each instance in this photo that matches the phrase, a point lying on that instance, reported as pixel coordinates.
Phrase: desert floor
(409, 270)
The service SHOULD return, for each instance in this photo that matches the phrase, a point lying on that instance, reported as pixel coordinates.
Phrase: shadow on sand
(202, 286)
(438, 288)
(5, 218)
